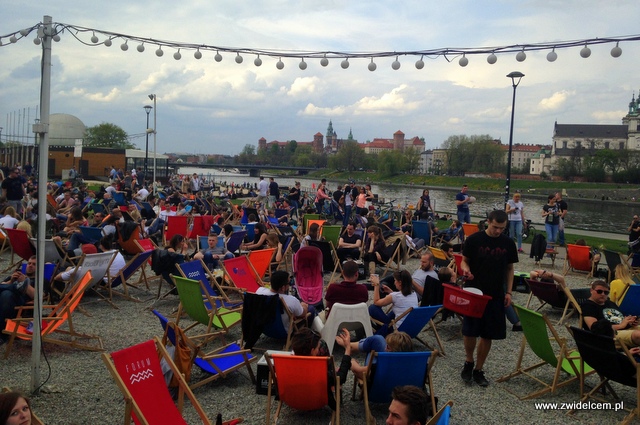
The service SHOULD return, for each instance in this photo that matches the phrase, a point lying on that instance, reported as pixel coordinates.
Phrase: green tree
(247, 156)
(107, 135)
(349, 157)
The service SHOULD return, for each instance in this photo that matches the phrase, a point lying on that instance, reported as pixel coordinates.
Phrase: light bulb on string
(257, 61)
(36, 41)
(396, 64)
(239, 58)
(24, 32)
(616, 51)
(108, 42)
(124, 46)
(177, 56)
(159, 52)
(585, 52)
(13, 39)
(492, 58)
(56, 38)
(420, 63)
(324, 61)
(372, 65)
(302, 65)
(280, 64)
(218, 57)
(521, 56)
(552, 55)
(464, 61)
(140, 47)
(345, 63)
(197, 54)
(94, 38)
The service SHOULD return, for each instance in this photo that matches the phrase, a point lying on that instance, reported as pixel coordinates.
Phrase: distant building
(398, 143)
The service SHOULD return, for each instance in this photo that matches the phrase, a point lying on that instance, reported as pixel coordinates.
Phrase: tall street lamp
(515, 80)
(155, 153)
(147, 109)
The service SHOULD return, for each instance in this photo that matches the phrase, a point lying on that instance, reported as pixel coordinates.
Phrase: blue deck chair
(131, 268)
(204, 244)
(119, 199)
(391, 370)
(147, 207)
(235, 240)
(421, 230)
(217, 229)
(245, 216)
(281, 212)
(91, 234)
(49, 270)
(217, 363)
(197, 270)
(251, 230)
(443, 415)
(98, 208)
(630, 305)
(415, 320)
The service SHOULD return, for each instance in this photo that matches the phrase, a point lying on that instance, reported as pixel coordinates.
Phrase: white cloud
(555, 101)
(303, 86)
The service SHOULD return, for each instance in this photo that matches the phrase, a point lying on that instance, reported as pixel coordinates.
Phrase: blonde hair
(10, 211)
(622, 273)
(24, 225)
(399, 342)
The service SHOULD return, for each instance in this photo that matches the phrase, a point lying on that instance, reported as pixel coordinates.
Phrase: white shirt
(403, 303)
(142, 194)
(263, 186)
(292, 303)
(9, 222)
(517, 214)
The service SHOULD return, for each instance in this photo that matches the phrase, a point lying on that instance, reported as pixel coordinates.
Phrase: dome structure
(64, 129)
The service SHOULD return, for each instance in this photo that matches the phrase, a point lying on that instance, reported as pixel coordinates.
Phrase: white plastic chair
(351, 317)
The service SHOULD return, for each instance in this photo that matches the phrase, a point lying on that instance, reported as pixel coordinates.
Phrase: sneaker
(467, 372)
(478, 376)
(516, 328)
(521, 251)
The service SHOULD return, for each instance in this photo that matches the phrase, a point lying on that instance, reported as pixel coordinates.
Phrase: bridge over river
(253, 169)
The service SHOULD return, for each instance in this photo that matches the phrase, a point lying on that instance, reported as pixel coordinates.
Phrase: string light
(92, 36)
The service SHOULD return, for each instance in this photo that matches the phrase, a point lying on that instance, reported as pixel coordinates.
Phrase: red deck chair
(201, 226)
(307, 269)
(176, 225)
(578, 259)
(241, 274)
(261, 260)
(20, 245)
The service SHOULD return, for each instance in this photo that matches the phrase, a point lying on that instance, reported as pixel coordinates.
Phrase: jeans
(561, 232)
(375, 342)
(552, 232)
(464, 216)
(515, 231)
(10, 298)
(378, 314)
(213, 263)
(347, 215)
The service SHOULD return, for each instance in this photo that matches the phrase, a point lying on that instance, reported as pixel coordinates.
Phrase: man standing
(409, 406)
(294, 196)
(562, 210)
(487, 264)
(420, 275)
(349, 244)
(348, 291)
(462, 202)
(13, 190)
(634, 232)
(263, 186)
(274, 192)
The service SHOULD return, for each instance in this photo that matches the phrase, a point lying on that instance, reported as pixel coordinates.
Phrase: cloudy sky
(210, 107)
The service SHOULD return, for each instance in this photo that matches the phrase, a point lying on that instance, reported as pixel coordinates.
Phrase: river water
(602, 216)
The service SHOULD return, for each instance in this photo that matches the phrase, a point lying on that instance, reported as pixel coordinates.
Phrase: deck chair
(287, 253)
(59, 315)
(557, 296)
(261, 260)
(415, 320)
(122, 278)
(469, 229)
(201, 226)
(147, 398)
(421, 230)
(127, 234)
(176, 225)
(302, 383)
(197, 270)
(630, 304)
(91, 234)
(4, 240)
(395, 257)
(246, 212)
(332, 233)
(440, 259)
(235, 240)
(20, 246)
(352, 317)
(119, 199)
(600, 352)
(251, 231)
(536, 328)
(442, 416)
(305, 220)
(262, 314)
(393, 369)
(216, 363)
(613, 259)
(241, 274)
(192, 302)
(578, 259)
(52, 253)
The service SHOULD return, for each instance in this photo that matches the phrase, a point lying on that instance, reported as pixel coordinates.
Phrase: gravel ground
(79, 389)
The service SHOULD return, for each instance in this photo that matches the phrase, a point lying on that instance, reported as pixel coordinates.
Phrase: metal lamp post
(515, 76)
(155, 153)
(147, 109)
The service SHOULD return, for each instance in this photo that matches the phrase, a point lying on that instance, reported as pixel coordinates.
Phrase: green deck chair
(306, 218)
(192, 301)
(536, 328)
(332, 233)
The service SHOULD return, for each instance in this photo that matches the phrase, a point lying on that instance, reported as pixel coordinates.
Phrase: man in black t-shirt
(13, 189)
(562, 210)
(487, 264)
(349, 244)
(294, 196)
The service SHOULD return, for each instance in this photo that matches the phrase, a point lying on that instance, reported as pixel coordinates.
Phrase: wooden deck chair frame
(217, 290)
(58, 315)
(193, 296)
(394, 258)
(283, 371)
(612, 258)
(217, 363)
(622, 363)
(388, 374)
(441, 415)
(536, 328)
(538, 289)
(576, 256)
(5, 241)
(164, 400)
(136, 263)
(20, 245)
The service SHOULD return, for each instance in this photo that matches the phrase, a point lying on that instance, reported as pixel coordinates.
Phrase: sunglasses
(601, 291)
